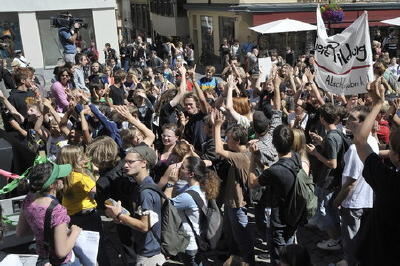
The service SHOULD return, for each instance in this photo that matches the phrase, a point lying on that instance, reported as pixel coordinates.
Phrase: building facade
(26, 26)
(169, 19)
(140, 17)
(212, 20)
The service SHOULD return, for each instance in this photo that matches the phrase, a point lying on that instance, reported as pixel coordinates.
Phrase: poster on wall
(343, 62)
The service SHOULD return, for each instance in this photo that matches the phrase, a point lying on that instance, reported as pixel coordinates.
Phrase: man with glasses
(145, 222)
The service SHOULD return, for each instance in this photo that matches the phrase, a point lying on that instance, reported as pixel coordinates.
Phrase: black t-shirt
(379, 235)
(18, 100)
(117, 95)
(279, 181)
(331, 146)
(313, 123)
(194, 132)
(167, 115)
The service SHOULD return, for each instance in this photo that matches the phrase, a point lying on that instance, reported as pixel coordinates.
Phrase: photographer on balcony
(68, 36)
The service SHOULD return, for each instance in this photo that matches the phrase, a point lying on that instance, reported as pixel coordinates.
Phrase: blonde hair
(299, 143)
(103, 152)
(72, 155)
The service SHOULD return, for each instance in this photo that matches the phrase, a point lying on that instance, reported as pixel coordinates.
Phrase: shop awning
(374, 16)
(393, 21)
(283, 25)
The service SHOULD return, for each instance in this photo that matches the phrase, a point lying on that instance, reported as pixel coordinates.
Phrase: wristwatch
(169, 185)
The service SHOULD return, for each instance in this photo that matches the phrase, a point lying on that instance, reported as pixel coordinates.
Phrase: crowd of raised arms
(144, 137)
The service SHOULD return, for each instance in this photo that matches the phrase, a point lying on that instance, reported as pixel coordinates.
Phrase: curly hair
(38, 176)
(209, 181)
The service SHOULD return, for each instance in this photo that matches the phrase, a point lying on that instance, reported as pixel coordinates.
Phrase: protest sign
(343, 62)
(265, 66)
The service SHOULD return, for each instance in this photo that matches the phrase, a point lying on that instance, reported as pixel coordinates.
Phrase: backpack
(302, 202)
(210, 223)
(174, 238)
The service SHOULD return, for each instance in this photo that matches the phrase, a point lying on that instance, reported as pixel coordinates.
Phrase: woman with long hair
(45, 180)
(299, 146)
(79, 192)
(206, 184)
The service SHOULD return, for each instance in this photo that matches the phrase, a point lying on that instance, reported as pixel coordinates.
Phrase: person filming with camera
(68, 34)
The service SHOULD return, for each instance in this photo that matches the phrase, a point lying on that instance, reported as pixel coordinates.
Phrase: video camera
(67, 21)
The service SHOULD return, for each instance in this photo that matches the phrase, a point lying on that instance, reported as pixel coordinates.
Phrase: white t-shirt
(362, 195)
(292, 118)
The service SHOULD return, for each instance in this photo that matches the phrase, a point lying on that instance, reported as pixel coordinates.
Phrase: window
(207, 34)
(226, 29)
(180, 9)
(11, 37)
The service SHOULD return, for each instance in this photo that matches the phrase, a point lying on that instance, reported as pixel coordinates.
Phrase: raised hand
(217, 118)
(310, 76)
(123, 111)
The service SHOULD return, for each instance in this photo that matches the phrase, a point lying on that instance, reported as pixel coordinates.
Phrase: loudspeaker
(6, 157)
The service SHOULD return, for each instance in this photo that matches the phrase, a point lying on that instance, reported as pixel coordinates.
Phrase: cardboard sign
(343, 62)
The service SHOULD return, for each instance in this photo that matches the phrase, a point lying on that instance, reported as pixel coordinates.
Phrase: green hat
(59, 171)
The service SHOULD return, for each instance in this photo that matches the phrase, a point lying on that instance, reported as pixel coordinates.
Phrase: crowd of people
(144, 130)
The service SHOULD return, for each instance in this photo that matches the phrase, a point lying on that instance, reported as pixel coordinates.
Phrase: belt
(86, 212)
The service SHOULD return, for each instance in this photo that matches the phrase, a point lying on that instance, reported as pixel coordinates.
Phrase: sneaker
(264, 256)
(330, 244)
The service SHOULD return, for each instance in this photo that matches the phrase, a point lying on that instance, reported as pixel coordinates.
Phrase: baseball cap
(59, 171)
(147, 153)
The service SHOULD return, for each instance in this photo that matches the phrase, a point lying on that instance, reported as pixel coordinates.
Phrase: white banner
(343, 62)
(265, 65)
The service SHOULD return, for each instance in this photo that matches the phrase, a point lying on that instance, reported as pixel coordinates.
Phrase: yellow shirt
(76, 198)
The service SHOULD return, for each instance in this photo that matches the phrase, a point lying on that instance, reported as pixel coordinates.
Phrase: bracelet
(118, 215)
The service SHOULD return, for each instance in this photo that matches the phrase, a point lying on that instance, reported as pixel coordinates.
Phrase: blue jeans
(236, 226)
(327, 215)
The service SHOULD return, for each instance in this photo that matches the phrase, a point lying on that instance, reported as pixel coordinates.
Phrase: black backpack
(210, 223)
(174, 238)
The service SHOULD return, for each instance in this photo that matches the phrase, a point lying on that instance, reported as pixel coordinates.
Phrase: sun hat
(59, 171)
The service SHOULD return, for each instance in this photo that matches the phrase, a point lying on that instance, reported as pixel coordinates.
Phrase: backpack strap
(198, 200)
(155, 188)
(48, 232)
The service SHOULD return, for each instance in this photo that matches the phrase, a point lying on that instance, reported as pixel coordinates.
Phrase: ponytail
(209, 180)
(210, 185)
